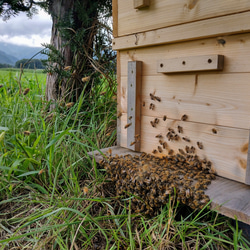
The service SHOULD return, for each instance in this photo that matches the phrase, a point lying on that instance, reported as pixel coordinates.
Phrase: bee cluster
(152, 180)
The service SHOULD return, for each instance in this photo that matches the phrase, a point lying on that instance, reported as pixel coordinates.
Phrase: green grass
(54, 196)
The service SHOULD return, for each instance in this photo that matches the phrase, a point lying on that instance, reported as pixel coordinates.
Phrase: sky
(21, 30)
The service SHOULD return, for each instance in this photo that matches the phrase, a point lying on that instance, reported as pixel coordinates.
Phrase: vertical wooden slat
(119, 110)
(115, 17)
(247, 178)
(134, 105)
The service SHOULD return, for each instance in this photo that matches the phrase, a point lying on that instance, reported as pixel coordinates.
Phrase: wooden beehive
(194, 55)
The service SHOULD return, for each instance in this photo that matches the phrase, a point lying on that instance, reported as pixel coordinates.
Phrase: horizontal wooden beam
(228, 197)
(196, 30)
(138, 4)
(190, 64)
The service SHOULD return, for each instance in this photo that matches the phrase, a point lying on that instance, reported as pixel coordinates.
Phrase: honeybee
(176, 137)
(200, 145)
(152, 124)
(41, 171)
(109, 151)
(85, 190)
(158, 136)
(214, 130)
(156, 120)
(143, 104)
(186, 139)
(70, 104)
(127, 125)
(180, 129)
(130, 117)
(157, 98)
(161, 142)
(154, 151)
(192, 150)
(152, 97)
(171, 130)
(119, 114)
(26, 91)
(164, 145)
(164, 118)
(151, 106)
(184, 117)
(132, 143)
(26, 132)
(160, 149)
(187, 148)
(171, 152)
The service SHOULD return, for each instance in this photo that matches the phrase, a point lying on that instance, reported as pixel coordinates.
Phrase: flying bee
(184, 117)
(130, 117)
(214, 130)
(151, 106)
(164, 118)
(180, 129)
(132, 143)
(160, 149)
(109, 152)
(200, 145)
(127, 125)
(186, 139)
(165, 145)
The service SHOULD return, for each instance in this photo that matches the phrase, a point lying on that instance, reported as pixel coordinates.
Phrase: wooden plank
(220, 99)
(232, 47)
(119, 110)
(190, 64)
(134, 105)
(138, 4)
(228, 197)
(115, 17)
(227, 149)
(190, 31)
(247, 179)
(162, 13)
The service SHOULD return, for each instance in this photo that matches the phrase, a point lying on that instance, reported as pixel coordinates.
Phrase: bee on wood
(165, 145)
(181, 151)
(171, 130)
(200, 145)
(176, 137)
(158, 136)
(184, 117)
(156, 120)
(192, 150)
(164, 118)
(143, 104)
(151, 106)
(180, 129)
(171, 152)
(161, 142)
(154, 151)
(160, 149)
(119, 114)
(186, 139)
(157, 98)
(214, 130)
(127, 125)
(187, 148)
(152, 97)
(152, 124)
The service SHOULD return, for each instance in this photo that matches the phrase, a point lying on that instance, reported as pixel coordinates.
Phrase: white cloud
(22, 30)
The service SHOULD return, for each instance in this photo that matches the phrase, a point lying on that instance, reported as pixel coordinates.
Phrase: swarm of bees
(152, 180)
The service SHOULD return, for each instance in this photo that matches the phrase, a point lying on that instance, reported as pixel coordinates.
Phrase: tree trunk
(74, 23)
(59, 10)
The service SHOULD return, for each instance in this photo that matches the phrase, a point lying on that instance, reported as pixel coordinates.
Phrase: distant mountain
(10, 53)
(7, 59)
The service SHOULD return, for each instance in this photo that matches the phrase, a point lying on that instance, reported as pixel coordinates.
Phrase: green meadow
(53, 195)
